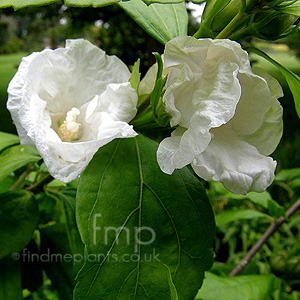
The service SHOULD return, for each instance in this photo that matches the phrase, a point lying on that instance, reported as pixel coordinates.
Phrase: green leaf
(16, 157)
(265, 200)
(10, 280)
(173, 291)
(292, 79)
(148, 2)
(67, 197)
(135, 76)
(59, 260)
(96, 3)
(7, 139)
(212, 9)
(295, 183)
(159, 220)
(19, 215)
(242, 214)
(247, 287)
(22, 3)
(5, 184)
(262, 199)
(293, 9)
(162, 21)
(288, 174)
(161, 117)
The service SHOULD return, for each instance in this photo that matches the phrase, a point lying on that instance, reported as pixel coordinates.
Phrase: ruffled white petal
(255, 101)
(235, 163)
(228, 117)
(268, 135)
(80, 77)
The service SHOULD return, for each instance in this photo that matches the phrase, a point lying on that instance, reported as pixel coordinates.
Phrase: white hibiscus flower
(69, 102)
(228, 117)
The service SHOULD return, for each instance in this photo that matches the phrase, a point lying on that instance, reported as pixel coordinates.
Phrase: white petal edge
(236, 164)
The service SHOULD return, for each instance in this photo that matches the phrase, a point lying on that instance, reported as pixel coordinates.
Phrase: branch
(22, 178)
(270, 231)
(37, 186)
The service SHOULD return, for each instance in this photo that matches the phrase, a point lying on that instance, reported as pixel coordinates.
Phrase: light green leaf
(173, 291)
(162, 21)
(292, 79)
(135, 220)
(10, 279)
(293, 9)
(242, 214)
(95, 3)
(295, 183)
(288, 174)
(135, 76)
(265, 200)
(148, 2)
(7, 139)
(16, 157)
(22, 3)
(161, 117)
(247, 287)
(19, 215)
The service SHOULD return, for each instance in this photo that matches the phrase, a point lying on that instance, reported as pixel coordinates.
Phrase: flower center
(69, 130)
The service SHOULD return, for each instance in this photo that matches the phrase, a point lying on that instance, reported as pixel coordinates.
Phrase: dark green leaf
(7, 139)
(67, 197)
(123, 189)
(19, 215)
(242, 214)
(247, 287)
(16, 157)
(32, 269)
(162, 21)
(292, 79)
(10, 280)
(58, 259)
(5, 184)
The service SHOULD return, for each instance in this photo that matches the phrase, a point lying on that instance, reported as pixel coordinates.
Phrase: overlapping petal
(228, 118)
(50, 83)
(235, 163)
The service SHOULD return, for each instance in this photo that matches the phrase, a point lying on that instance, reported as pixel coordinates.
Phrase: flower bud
(226, 15)
(277, 26)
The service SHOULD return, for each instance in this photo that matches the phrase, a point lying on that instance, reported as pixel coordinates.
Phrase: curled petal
(81, 78)
(235, 163)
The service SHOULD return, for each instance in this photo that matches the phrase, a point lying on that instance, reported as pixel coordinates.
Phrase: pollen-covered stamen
(69, 130)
